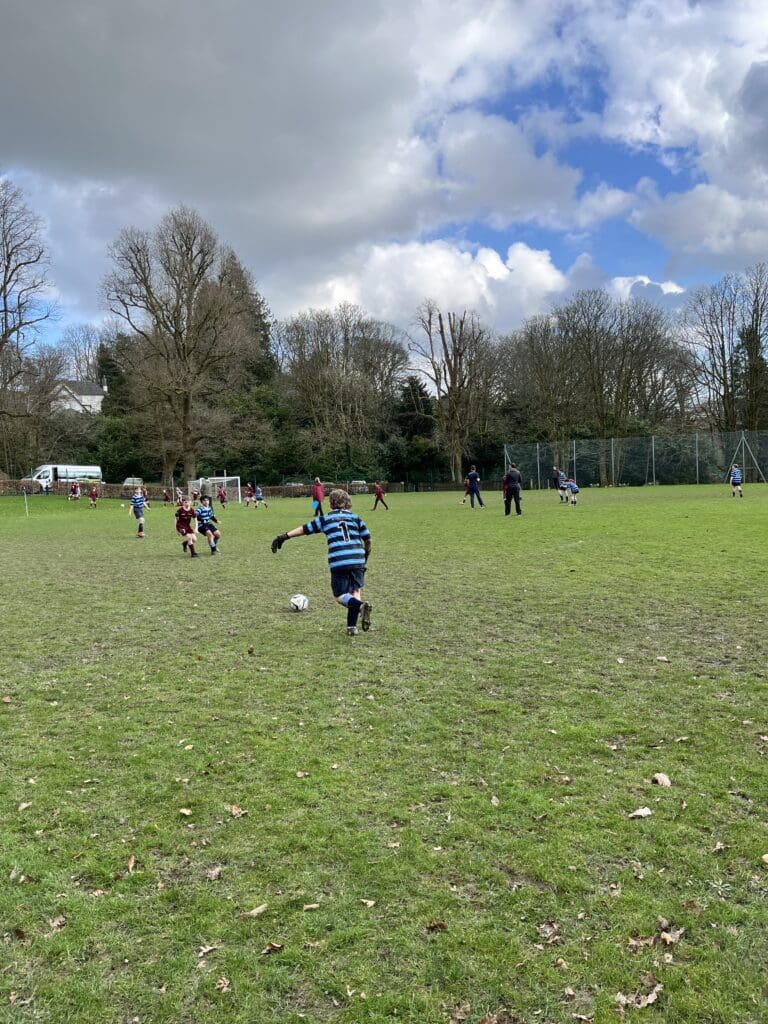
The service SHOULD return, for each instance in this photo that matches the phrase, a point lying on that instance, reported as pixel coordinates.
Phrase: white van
(53, 473)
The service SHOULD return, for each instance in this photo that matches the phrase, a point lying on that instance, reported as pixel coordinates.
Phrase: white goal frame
(231, 485)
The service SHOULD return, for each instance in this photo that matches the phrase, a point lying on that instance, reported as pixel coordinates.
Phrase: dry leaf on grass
(302, 775)
(461, 1012)
(23, 807)
(550, 932)
(205, 950)
(7, 700)
(636, 944)
(495, 801)
(670, 935)
(55, 925)
(131, 864)
(257, 911)
(236, 811)
(639, 1000)
(764, 858)
(660, 779)
(185, 811)
(662, 657)
(368, 903)
(214, 874)
(641, 812)
(311, 906)
(271, 947)
(222, 985)
(437, 926)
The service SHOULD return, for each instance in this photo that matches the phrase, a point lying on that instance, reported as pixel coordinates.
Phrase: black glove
(278, 542)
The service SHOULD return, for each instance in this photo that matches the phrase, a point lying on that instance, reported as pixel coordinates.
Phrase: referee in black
(513, 481)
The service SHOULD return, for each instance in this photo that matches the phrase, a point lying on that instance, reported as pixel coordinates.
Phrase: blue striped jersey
(205, 514)
(735, 475)
(345, 533)
(138, 501)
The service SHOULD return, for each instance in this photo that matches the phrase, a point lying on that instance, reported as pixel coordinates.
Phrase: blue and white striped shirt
(205, 515)
(138, 502)
(735, 476)
(345, 533)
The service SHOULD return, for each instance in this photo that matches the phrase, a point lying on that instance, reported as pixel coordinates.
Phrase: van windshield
(41, 473)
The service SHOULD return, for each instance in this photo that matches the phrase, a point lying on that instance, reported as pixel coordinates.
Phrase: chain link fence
(702, 458)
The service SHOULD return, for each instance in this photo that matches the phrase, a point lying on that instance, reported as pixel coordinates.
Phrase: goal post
(231, 485)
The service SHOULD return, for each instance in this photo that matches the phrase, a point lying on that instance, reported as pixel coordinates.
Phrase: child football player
(735, 481)
(349, 545)
(186, 523)
(572, 488)
(259, 499)
(205, 523)
(138, 504)
(93, 496)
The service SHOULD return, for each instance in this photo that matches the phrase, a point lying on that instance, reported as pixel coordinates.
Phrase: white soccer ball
(122, 504)
(299, 603)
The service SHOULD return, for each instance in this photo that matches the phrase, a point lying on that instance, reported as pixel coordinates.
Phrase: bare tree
(184, 322)
(80, 347)
(24, 301)
(456, 353)
(344, 369)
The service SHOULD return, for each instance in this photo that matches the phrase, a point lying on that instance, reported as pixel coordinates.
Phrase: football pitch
(216, 809)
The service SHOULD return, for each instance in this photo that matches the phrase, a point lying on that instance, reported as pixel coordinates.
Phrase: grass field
(426, 823)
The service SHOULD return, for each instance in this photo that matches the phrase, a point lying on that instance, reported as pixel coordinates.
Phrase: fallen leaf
(214, 874)
(561, 964)
(661, 657)
(393, 846)
(257, 911)
(764, 858)
(437, 926)
(549, 931)
(271, 947)
(639, 1000)
(620, 661)
(205, 950)
(641, 812)
(131, 864)
(495, 801)
(671, 935)
(222, 985)
(569, 993)
(637, 944)
(7, 700)
(237, 811)
(460, 1013)
(55, 925)
(250, 648)
(718, 847)
(311, 906)
(660, 779)
(302, 775)
(23, 807)
(368, 903)
(185, 811)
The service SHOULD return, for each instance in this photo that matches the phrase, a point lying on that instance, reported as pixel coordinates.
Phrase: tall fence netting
(634, 461)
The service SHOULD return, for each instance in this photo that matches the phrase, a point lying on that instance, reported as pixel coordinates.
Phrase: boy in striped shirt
(349, 545)
(206, 518)
(138, 504)
(735, 481)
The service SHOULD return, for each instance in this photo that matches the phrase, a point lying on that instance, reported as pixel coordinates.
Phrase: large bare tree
(24, 290)
(726, 328)
(458, 355)
(185, 323)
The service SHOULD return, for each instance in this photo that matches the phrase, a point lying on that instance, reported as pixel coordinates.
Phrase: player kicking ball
(349, 545)
(207, 523)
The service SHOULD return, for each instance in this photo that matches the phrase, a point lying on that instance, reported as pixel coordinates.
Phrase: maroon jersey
(379, 491)
(185, 517)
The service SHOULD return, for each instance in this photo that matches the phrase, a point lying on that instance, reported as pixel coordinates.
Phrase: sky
(492, 155)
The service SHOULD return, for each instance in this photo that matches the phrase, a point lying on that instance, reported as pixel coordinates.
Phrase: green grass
(472, 762)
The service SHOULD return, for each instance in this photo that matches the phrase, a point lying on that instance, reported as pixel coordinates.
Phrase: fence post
(574, 460)
(613, 467)
(538, 465)
(697, 458)
(653, 458)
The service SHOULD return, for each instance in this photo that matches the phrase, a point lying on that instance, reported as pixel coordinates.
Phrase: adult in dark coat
(511, 484)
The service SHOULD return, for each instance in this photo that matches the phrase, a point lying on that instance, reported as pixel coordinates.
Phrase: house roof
(82, 387)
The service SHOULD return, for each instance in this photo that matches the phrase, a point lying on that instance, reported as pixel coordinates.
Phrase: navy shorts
(207, 528)
(138, 514)
(345, 581)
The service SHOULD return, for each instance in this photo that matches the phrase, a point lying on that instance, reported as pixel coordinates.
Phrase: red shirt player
(92, 496)
(221, 494)
(378, 492)
(186, 527)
